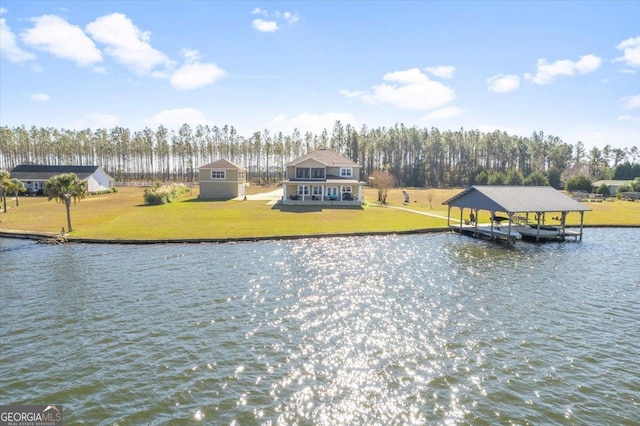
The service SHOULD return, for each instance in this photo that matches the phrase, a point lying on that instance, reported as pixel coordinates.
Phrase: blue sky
(570, 69)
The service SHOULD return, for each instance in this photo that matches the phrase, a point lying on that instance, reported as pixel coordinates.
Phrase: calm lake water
(423, 329)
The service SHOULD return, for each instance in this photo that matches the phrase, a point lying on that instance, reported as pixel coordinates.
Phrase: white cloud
(127, 44)
(631, 102)
(9, 47)
(265, 26)
(40, 97)
(546, 72)
(175, 118)
(351, 93)
(409, 89)
(307, 122)
(55, 35)
(3, 10)
(291, 18)
(194, 74)
(271, 21)
(501, 83)
(630, 118)
(443, 114)
(442, 71)
(631, 49)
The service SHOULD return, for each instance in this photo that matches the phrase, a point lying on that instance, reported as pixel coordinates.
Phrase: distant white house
(222, 180)
(34, 176)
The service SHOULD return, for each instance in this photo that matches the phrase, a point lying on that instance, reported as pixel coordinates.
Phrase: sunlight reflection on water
(378, 330)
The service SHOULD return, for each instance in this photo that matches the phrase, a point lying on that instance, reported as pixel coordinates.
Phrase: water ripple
(430, 329)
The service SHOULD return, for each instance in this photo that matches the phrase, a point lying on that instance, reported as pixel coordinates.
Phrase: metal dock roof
(515, 199)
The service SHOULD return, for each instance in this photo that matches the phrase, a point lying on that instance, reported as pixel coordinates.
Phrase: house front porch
(325, 193)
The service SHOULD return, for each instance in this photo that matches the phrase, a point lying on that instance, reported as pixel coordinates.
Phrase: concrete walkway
(422, 213)
(271, 197)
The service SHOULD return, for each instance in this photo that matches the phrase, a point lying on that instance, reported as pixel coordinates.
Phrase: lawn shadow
(312, 208)
(206, 200)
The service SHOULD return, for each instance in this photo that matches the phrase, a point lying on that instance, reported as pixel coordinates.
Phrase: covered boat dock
(515, 212)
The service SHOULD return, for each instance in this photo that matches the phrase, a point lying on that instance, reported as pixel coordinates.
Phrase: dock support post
(509, 234)
(461, 219)
(581, 223)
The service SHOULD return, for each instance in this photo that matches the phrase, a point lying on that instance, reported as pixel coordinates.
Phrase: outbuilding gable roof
(223, 165)
(44, 172)
(515, 199)
(326, 157)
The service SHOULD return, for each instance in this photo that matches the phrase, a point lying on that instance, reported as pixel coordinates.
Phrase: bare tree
(431, 195)
(383, 181)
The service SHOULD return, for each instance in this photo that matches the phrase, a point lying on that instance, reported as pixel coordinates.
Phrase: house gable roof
(515, 199)
(44, 172)
(611, 182)
(223, 165)
(326, 157)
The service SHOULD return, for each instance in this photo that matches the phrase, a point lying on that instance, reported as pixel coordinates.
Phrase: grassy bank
(124, 216)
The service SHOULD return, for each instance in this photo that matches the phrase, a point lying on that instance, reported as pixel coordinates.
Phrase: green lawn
(123, 216)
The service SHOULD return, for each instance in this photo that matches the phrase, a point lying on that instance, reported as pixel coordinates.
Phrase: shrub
(578, 183)
(603, 190)
(105, 191)
(163, 194)
(536, 179)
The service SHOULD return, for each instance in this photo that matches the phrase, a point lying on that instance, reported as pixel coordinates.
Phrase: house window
(346, 189)
(218, 174)
(317, 173)
(242, 176)
(303, 173)
(346, 172)
(303, 190)
(317, 190)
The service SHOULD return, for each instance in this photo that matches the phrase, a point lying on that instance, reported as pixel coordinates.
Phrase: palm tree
(65, 187)
(15, 187)
(4, 184)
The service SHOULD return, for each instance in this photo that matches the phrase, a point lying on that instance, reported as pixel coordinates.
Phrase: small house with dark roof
(222, 180)
(516, 212)
(322, 177)
(34, 176)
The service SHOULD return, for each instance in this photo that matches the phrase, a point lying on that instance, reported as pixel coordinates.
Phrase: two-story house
(322, 177)
(222, 180)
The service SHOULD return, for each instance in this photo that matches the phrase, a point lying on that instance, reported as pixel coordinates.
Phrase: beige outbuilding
(222, 180)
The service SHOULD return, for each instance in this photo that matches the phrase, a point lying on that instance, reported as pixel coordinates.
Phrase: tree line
(416, 157)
